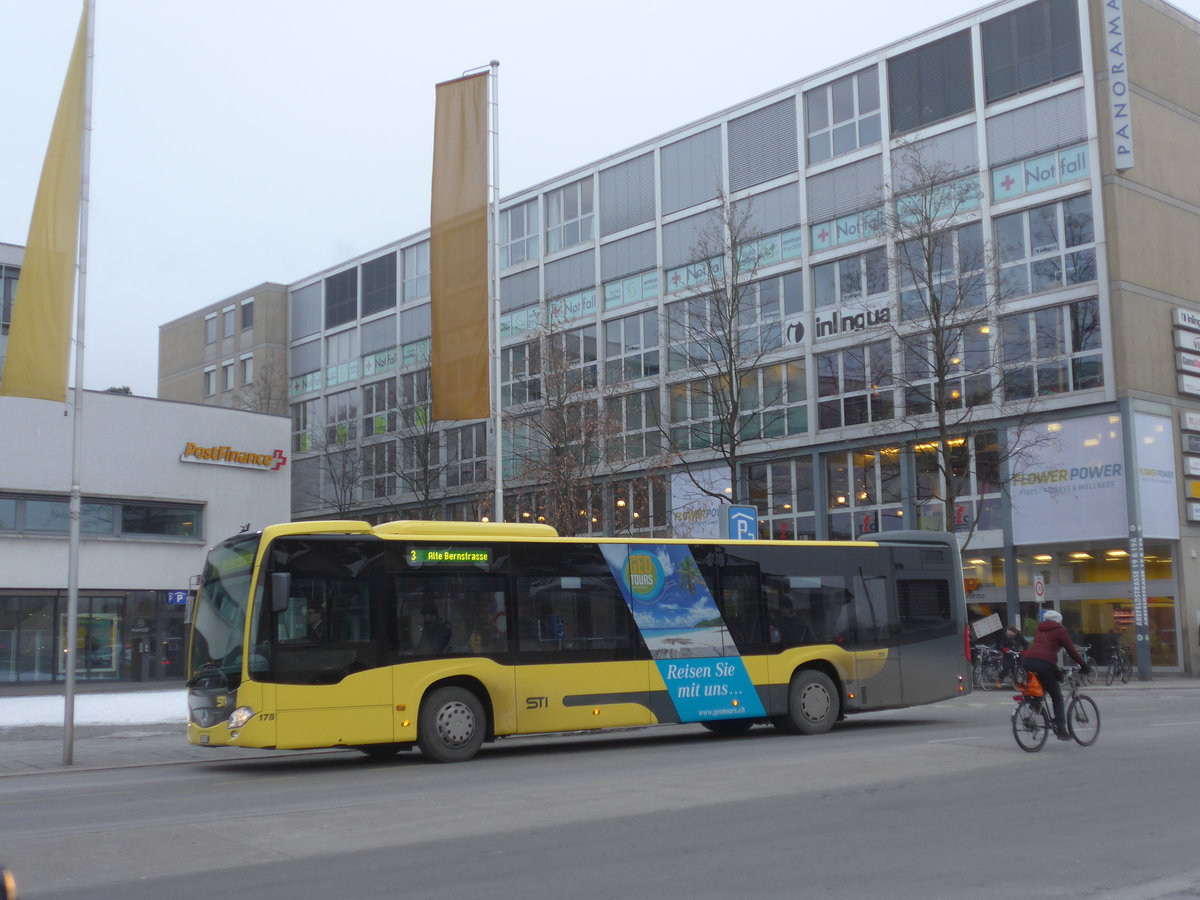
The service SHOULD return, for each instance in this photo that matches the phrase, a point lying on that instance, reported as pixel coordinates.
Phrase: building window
(855, 386)
(574, 354)
(9, 276)
(631, 347)
(973, 469)
(850, 280)
(379, 407)
(466, 455)
(569, 215)
(210, 380)
(247, 314)
(1046, 247)
(1052, 351)
(519, 234)
(210, 329)
(638, 506)
(415, 397)
(51, 515)
(379, 470)
(694, 415)
(247, 370)
(229, 321)
(782, 491)
(773, 401)
(416, 271)
(379, 284)
(520, 374)
(416, 327)
(931, 83)
(952, 262)
(843, 116)
(341, 298)
(341, 417)
(1031, 46)
(304, 423)
(762, 306)
(691, 325)
(965, 380)
(227, 376)
(864, 492)
(634, 425)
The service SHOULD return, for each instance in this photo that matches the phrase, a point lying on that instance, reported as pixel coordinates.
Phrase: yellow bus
(446, 635)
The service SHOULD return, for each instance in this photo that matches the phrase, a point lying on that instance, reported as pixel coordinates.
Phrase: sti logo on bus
(644, 575)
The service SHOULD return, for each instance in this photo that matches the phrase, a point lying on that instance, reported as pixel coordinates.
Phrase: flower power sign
(678, 619)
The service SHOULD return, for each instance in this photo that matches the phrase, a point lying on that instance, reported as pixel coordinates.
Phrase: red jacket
(1050, 636)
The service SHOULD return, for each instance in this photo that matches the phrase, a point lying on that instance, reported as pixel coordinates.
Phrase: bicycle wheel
(987, 677)
(1126, 673)
(1111, 675)
(1083, 720)
(1031, 726)
(1091, 676)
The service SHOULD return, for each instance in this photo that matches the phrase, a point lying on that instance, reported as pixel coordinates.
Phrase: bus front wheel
(451, 725)
(812, 704)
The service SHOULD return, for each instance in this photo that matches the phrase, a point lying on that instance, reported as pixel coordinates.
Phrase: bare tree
(434, 462)
(950, 378)
(336, 483)
(556, 438)
(267, 393)
(717, 339)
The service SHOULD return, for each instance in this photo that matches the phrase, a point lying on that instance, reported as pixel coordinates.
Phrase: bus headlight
(240, 716)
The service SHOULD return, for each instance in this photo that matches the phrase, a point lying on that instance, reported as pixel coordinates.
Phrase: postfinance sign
(224, 455)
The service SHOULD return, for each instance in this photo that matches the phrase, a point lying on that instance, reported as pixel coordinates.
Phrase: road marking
(1171, 724)
(974, 737)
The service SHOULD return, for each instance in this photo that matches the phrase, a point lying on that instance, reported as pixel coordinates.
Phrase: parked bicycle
(1120, 665)
(1093, 669)
(988, 668)
(1032, 722)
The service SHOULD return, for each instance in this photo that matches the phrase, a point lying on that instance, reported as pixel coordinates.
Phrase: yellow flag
(458, 250)
(39, 337)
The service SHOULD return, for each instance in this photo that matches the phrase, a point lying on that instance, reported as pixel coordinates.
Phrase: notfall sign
(225, 455)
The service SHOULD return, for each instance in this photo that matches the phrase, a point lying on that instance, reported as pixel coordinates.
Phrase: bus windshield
(218, 622)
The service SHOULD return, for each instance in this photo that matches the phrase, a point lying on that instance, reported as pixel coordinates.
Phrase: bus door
(878, 664)
(580, 664)
(930, 638)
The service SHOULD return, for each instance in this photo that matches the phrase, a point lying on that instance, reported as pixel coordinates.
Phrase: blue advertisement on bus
(684, 631)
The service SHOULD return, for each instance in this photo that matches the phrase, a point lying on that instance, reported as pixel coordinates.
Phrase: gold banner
(458, 251)
(39, 337)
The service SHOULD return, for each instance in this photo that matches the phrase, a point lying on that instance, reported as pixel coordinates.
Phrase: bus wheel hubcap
(814, 703)
(455, 724)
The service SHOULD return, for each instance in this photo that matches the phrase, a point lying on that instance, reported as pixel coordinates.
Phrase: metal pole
(494, 318)
(77, 421)
(1137, 555)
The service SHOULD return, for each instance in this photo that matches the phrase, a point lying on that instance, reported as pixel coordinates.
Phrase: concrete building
(160, 482)
(1058, 129)
(232, 353)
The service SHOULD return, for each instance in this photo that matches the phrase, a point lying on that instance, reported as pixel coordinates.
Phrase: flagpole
(76, 503)
(494, 317)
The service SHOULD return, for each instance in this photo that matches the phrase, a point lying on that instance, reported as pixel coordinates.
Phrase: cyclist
(1042, 660)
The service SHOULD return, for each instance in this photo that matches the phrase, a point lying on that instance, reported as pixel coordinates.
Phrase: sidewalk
(140, 727)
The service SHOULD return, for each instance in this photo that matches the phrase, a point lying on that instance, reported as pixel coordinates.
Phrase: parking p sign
(741, 523)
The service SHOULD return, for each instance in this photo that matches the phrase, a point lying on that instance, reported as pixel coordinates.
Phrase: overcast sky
(242, 141)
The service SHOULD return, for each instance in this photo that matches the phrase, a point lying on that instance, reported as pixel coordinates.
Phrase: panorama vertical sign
(1118, 84)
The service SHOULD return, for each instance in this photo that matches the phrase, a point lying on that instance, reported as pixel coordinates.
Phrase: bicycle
(1120, 665)
(1031, 722)
(988, 668)
(1092, 675)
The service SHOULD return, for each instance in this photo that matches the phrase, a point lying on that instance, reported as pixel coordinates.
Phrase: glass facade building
(1008, 133)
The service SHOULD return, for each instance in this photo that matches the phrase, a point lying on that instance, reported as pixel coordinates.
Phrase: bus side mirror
(281, 588)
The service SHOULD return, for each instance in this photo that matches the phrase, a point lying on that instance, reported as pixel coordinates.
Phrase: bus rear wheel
(451, 725)
(812, 704)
